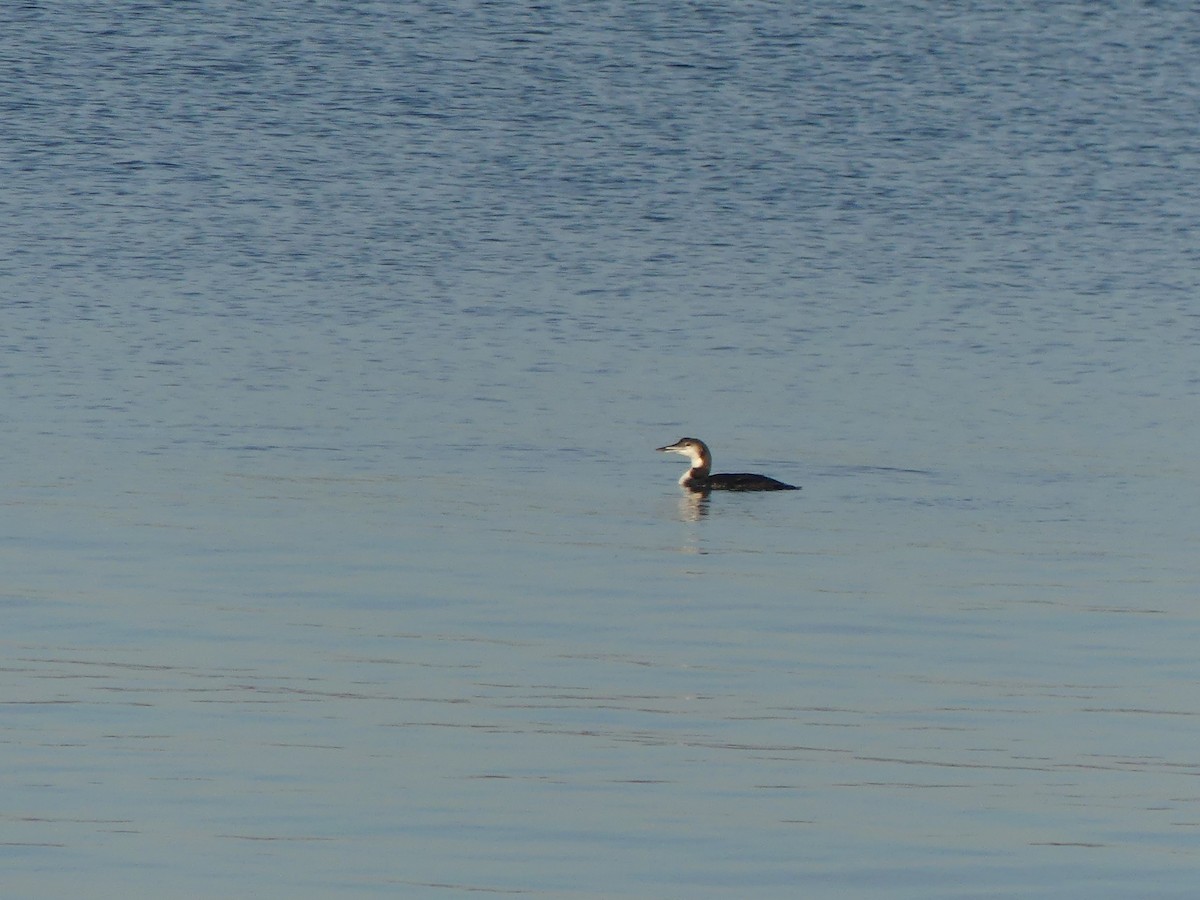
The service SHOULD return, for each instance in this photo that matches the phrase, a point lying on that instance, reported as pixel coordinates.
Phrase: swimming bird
(699, 477)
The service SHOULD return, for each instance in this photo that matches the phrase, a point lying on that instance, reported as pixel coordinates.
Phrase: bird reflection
(693, 505)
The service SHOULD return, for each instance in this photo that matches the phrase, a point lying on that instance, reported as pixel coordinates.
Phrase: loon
(698, 477)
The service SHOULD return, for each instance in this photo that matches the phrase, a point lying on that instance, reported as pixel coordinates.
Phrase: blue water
(336, 559)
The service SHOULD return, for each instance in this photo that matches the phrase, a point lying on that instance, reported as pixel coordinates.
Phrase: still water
(336, 559)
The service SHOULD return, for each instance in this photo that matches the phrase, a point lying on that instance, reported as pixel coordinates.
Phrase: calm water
(336, 559)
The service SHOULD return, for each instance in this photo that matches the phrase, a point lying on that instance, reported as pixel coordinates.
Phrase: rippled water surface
(336, 559)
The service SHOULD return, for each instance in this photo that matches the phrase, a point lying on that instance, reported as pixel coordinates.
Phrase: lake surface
(336, 557)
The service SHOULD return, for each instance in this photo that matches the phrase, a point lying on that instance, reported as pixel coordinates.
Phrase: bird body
(699, 476)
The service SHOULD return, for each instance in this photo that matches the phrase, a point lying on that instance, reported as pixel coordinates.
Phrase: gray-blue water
(335, 341)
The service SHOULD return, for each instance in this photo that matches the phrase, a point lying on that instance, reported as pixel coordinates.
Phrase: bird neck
(701, 466)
